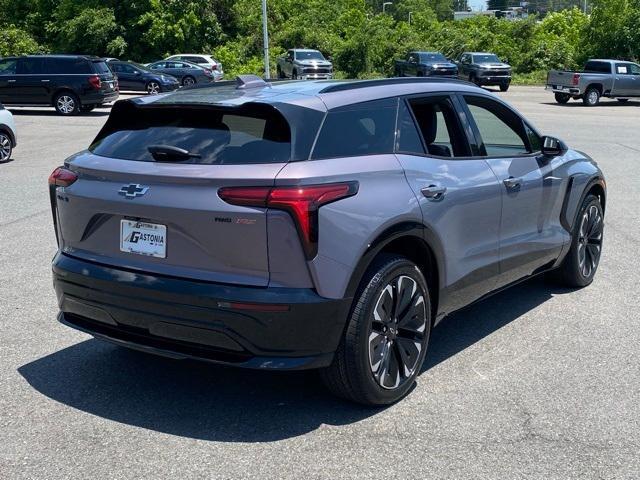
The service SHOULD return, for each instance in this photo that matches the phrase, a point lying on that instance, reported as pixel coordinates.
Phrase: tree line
(361, 40)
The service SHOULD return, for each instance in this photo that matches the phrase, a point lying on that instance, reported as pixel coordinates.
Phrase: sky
(478, 4)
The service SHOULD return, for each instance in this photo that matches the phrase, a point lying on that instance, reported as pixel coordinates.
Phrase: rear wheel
(153, 88)
(386, 337)
(580, 265)
(5, 147)
(591, 97)
(562, 98)
(66, 103)
(280, 73)
(188, 81)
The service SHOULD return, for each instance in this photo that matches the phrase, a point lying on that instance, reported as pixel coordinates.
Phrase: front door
(8, 79)
(459, 195)
(32, 85)
(531, 235)
(627, 80)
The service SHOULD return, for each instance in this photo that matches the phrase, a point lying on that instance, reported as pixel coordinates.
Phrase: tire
(6, 147)
(87, 108)
(591, 97)
(562, 98)
(153, 87)
(294, 75)
(66, 103)
(581, 263)
(622, 100)
(188, 81)
(504, 87)
(367, 367)
(473, 79)
(281, 74)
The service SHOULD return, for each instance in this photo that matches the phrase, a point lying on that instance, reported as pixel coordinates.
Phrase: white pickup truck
(600, 78)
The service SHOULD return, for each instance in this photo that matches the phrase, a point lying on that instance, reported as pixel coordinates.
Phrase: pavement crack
(27, 217)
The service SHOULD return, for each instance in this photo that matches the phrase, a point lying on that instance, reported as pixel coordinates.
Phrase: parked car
(203, 60)
(187, 73)
(314, 225)
(304, 64)
(599, 78)
(8, 138)
(484, 69)
(135, 77)
(70, 83)
(425, 64)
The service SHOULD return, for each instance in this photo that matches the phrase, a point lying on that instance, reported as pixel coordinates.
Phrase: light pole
(410, 17)
(265, 40)
(384, 6)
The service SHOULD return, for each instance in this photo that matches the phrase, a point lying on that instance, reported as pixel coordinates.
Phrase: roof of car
(315, 94)
(56, 55)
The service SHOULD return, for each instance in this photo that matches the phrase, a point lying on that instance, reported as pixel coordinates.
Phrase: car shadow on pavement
(102, 112)
(209, 402)
(603, 103)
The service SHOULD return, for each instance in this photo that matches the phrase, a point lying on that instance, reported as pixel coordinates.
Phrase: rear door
(130, 210)
(459, 195)
(531, 235)
(32, 84)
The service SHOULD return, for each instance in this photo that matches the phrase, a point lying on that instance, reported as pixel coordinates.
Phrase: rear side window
(597, 67)
(101, 67)
(361, 129)
(211, 136)
(8, 66)
(67, 65)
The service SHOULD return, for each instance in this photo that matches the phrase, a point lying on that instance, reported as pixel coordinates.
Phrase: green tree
(15, 41)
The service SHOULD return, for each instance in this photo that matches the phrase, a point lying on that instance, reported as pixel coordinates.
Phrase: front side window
(635, 69)
(8, 66)
(30, 66)
(503, 132)
(361, 129)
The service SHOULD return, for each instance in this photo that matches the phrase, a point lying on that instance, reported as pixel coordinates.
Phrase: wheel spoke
(384, 308)
(409, 352)
(377, 346)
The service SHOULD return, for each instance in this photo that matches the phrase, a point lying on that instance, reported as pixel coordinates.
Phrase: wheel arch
(595, 85)
(596, 186)
(61, 90)
(8, 131)
(414, 241)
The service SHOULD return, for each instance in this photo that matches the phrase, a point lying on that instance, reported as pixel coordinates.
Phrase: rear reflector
(62, 177)
(302, 203)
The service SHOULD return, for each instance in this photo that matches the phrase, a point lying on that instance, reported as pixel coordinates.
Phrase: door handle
(512, 182)
(45, 80)
(10, 81)
(434, 192)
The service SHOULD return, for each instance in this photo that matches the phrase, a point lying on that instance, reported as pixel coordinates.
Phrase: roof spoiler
(250, 81)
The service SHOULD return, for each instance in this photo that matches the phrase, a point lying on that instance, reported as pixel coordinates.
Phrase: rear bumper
(562, 89)
(265, 328)
(99, 98)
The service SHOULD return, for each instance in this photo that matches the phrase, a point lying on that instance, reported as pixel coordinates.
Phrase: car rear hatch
(140, 204)
(108, 82)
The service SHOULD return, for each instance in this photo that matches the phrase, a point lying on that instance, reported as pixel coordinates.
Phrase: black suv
(70, 83)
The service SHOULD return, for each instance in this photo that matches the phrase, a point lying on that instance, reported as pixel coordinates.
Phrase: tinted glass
(362, 129)
(31, 66)
(635, 69)
(408, 137)
(486, 59)
(433, 57)
(597, 67)
(439, 126)
(313, 55)
(8, 66)
(194, 59)
(213, 136)
(502, 131)
(68, 65)
(101, 67)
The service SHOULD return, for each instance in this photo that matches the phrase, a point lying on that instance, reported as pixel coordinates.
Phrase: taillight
(301, 202)
(576, 79)
(95, 82)
(214, 66)
(62, 177)
(208, 72)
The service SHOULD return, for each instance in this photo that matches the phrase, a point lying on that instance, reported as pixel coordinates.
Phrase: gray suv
(328, 225)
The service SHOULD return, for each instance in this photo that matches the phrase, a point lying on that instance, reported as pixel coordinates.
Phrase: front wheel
(66, 103)
(386, 336)
(581, 263)
(188, 81)
(153, 88)
(504, 87)
(5, 147)
(562, 98)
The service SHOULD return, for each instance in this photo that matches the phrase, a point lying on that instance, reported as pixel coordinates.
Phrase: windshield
(310, 55)
(432, 57)
(486, 59)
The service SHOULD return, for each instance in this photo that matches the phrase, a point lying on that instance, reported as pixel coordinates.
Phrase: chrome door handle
(45, 80)
(512, 182)
(434, 192)
(10, 81)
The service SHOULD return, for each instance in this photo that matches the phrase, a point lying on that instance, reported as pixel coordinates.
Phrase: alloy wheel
(593, 97)
(66, 104)
(397, 332)
(5, 147)
(188, 81)
(153, 88)
(590, 241)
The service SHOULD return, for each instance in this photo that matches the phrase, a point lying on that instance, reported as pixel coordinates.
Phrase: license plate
(143, 238)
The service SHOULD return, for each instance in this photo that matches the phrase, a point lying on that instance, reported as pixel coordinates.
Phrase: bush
(14, 41)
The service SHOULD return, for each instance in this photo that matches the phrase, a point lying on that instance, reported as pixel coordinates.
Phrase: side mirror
(553, 147)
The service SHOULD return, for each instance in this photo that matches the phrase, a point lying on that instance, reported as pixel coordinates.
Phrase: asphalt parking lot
(535, 382)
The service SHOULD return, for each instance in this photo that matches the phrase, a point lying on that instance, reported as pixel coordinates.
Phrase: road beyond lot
(535, 382)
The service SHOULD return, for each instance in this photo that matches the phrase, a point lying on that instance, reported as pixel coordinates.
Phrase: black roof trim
(355, 84)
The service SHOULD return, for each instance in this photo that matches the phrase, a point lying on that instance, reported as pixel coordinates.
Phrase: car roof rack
(355, 84)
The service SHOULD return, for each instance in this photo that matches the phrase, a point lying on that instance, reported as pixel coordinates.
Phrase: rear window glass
(211, 136)
(101, 67)
(67, 65)
(361, 129)
(597, 67)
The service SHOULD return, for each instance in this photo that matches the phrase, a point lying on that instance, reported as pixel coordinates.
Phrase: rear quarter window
(360, 129)
(213, 136)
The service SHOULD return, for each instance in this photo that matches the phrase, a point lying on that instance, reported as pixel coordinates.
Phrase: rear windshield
(597, 67)
(211, 136)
